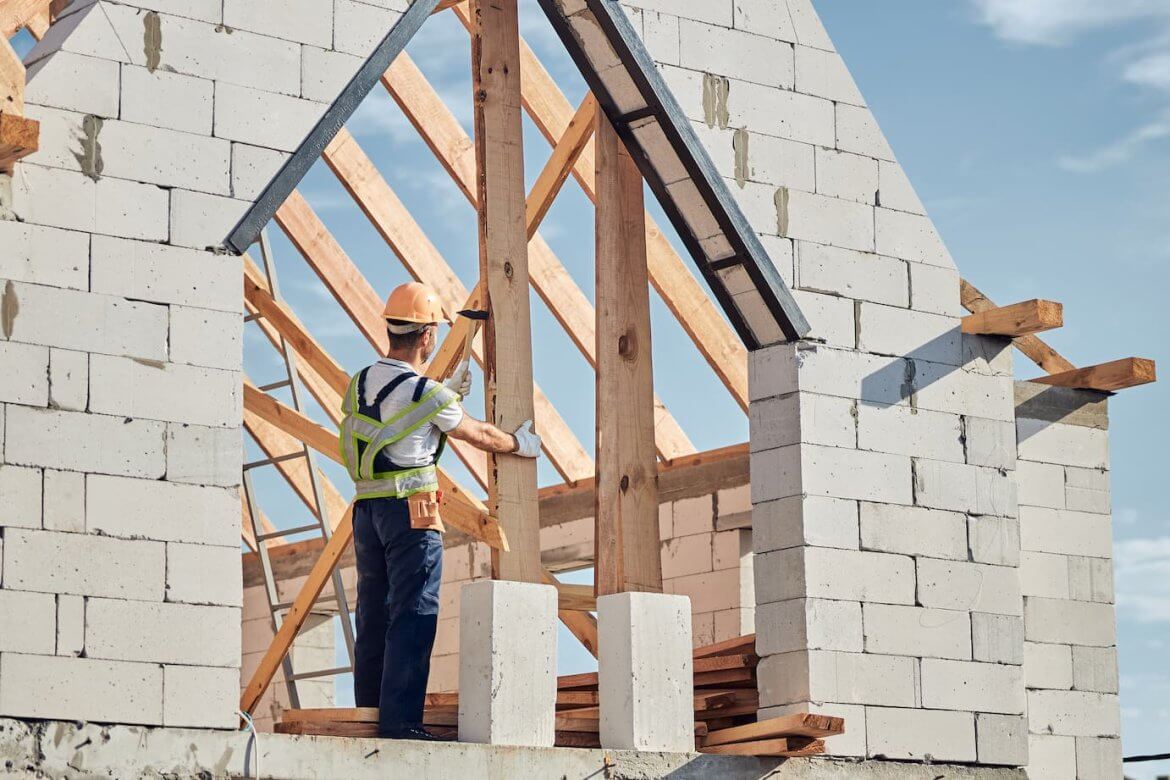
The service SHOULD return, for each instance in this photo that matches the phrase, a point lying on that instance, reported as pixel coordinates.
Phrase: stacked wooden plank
(725, 711)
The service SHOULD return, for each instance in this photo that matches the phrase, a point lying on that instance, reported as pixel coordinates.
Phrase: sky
(1037, 133)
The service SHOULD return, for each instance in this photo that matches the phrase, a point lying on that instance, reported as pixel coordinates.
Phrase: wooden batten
(1019, 319)
(1030, 345)
(1108, 377)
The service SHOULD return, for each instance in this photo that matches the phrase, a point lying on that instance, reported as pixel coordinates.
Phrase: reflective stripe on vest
(377, 435)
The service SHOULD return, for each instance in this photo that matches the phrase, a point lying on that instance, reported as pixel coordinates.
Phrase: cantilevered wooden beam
(626, 512)
(560, 163)
(18, 135)
(389, 216)
(1109, 377)
(445, 136)
(1040, 353)
(552, 112)
(503, 266)
(1018, 319)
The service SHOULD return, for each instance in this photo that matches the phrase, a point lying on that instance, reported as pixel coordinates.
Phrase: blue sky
(1037, 133)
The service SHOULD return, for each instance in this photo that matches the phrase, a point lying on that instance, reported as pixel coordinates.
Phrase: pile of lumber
(725, 711)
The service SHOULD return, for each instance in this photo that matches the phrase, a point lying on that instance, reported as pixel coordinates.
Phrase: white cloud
(1120, 151)
(1150, 71)
(1143, 578)
(1055, 22)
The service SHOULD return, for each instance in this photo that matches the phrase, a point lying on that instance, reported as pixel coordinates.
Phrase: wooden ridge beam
(453, 148)
(1018, 319)
(1107, 377)
(389, 216)
(682, 294)
(1030, 345)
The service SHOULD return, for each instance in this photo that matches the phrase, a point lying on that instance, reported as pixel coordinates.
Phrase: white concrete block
(962, 685)
(1066, 532)
(162, 633)
(1074, 713)
(942, 388)
(1040, 484)
(252, 168)
(358, 27)
(969, 586)
(1069, 622)
(686, 555)
(645, 672)
(1002, 739)
(847, 176)
(20, 497)
(97, 323)
(813, 520)
(205, 10)
(693, 516)
(1098, 757)
(201, 574)
(857, 132)
(834, 318)
(1095, 669)
(911, 237)
(52, 81)
(166, 274)
(200, 221)
(165, 99)
(913, 531)
(70, 625)
(809, 217)
(39, 686)
(57, 198)
(1051, 757)
(83, 565)
(990, 442)
(166, 511)
(1044, 574)
(764, 17)
(735, 54)
(64, 503)
(997, 638)
(1090, 579)
(898, 193)
(261, 118)
(853, 274)
(991, 355)
(833, 574)
(26, 376)
(165, 391)
(131, 210)
(773, 160)
(781, 113)
(44, 255)
(204, 337)
(920, 734)
(802, 418)
(81, 32)
(936, 289)
(68, 379)
(847, 678)
(901, 430)
(962, 488)
(1047, 666)
(1087, 500)
(507, 663)
(75, 441)
(824, 74)
(889, 330)
(842, 473)
(712, 592)
(200, 697)
(917, 631)
(994, 540)
(168, 158)
(29, 621)
(1069, 445)
(1087, 479)
(306, 21)
(808, 624)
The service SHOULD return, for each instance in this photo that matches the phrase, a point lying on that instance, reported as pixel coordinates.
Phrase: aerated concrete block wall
(1066, 573)
(120, 401)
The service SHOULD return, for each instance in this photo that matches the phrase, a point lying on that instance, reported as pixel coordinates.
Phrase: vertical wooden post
(503, 263)
(627, 550)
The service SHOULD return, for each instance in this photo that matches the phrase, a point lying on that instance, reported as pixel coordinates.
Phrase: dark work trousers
(399, 570)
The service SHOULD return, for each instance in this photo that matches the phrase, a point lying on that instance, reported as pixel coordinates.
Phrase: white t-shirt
(418, 447)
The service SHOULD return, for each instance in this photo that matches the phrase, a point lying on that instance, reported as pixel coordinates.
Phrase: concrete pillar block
(507, 663)
(646, 672)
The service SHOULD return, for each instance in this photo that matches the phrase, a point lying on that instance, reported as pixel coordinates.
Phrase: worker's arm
(487, 437)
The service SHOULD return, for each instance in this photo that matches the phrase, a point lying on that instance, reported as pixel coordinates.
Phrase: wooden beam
(576, 598)
(1108, 377)
(626, 512)
(560, 163)
(582, 625)
(15, 14)
(445, 136)
(18, 136)
(780, 747)
(1018, 319)
(1040, 353)
(799, 724)
(503, 265)
(694, 310)
(373, 194)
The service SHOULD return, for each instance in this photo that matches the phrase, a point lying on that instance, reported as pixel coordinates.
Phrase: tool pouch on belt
(424, 512)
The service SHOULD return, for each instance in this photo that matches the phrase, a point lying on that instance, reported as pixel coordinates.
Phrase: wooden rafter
(1040, 353)
(626, 511)
(445, 136)
(560, 163)
(1108, 377)
(1018, 319)
(373, 194)
(18, 135)
(503, 267)
(36, 15)
(552, 113)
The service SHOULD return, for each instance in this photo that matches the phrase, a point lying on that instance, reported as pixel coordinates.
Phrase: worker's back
(418, 447)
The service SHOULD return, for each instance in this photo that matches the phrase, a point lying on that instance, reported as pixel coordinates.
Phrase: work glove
(527, 442)
(460, 380)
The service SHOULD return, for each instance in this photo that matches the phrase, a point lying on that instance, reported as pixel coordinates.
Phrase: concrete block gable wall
(120, 405)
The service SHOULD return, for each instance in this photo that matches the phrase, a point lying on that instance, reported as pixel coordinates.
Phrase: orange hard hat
(414, 302)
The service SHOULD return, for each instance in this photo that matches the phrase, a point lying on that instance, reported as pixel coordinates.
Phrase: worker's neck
(414, 357)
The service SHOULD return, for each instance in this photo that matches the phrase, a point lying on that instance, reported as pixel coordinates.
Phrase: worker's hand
(460, 380)
(527, 442)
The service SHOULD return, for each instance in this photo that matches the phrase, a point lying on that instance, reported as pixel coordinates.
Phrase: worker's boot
(421, 735)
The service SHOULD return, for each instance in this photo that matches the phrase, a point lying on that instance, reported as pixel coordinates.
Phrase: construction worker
(396, 423)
